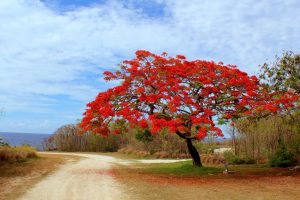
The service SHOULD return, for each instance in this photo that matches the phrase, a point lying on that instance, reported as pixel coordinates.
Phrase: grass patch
(184, 168)
(17, 154)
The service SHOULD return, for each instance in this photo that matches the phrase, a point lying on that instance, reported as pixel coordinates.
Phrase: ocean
(17, 139)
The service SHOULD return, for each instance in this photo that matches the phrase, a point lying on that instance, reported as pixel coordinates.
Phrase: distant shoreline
(32, 139)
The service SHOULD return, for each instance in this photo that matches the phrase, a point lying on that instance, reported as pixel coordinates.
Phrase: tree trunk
(194, 153)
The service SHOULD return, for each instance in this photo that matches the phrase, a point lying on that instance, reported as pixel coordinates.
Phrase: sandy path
(89, 178)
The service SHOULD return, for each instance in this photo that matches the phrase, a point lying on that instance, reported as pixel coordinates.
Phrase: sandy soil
(86, 179)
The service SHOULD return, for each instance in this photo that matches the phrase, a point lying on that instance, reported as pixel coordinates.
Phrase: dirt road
(89, 178)
(92, 178)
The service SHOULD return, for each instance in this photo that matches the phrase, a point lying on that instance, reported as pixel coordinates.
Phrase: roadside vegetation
(17, 154)
(184, 168)
(135, 142)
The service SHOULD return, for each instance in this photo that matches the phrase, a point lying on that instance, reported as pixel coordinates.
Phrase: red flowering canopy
(186, 97)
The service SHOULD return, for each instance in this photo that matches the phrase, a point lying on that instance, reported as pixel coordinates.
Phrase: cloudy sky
(53, 52)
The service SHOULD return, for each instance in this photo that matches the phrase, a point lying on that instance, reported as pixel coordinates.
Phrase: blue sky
(53, 52)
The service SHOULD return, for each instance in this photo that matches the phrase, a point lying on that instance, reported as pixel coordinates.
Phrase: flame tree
(189, 98)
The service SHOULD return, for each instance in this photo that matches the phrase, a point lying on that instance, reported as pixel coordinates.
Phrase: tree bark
(192, 150)
(194, 153)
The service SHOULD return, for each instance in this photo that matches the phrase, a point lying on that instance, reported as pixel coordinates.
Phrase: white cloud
(45, 53)
(242, 32)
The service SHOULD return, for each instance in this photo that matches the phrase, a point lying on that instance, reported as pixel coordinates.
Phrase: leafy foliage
(231, 158)
(159, 92)
(70, 138)
(144, 136)
(282, 158)
(259, 138)
(284, 73)
(185, 97)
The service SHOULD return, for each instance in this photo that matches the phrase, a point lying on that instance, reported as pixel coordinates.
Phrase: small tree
(284, 73)
(282, 158)
(185, 97)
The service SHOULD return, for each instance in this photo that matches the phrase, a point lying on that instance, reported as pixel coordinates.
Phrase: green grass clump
(184, 168)
(236, 159)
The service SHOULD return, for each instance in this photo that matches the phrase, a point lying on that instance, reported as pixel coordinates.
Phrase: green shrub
(235, 159)
(229, 156)
(282, 158)
(248, 160)
(206, 148)
(144, 136)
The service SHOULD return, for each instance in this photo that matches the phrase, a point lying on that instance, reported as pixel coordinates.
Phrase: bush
(282, 158)
(144, 136)
(240, 160)
(235, 159)
(17, 154)
(229, 157)
(212, 159)
(206, 147)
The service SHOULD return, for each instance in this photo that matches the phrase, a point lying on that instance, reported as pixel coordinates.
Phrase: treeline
(142, 142)
(70, 138)
(252, 141)
(263, 137)
(275, 137)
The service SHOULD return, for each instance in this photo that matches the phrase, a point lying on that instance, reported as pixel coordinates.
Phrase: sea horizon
(21, 138)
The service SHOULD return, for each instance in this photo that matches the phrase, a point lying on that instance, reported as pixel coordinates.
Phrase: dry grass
(20, 153)
(146, 154)
(207, 159)
(212, 159)
(249, 182)
(132, 151)
(17, 177)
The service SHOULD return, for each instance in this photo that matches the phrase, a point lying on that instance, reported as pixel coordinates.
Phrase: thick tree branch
(185, 136)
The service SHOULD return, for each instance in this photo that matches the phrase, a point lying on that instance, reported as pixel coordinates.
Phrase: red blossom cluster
(187, 96)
